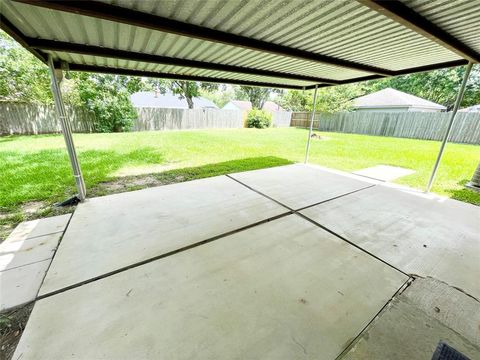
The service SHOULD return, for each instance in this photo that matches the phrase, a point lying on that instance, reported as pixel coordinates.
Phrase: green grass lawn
(36, 168)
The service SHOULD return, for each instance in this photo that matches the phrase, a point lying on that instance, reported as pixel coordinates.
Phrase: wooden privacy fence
(180, 119)
(416, 125)
(281, 118)
(18, 118)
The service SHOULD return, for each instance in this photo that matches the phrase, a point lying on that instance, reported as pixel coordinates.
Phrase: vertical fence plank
(19, 118)
(415, 125)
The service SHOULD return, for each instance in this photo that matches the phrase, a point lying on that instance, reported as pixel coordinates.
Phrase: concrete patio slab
(15, 253)
(116, 231)
(284, 289)
(25, 257)
(418, 234)
(298, 185)
(20, 285)
(39, 227)
(427, 312)
(384, 172)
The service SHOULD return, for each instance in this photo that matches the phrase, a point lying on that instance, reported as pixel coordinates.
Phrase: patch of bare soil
(29, 211)
(145, 170)
(319, 137)
(32, 207)
(12, 324)
(123, 184)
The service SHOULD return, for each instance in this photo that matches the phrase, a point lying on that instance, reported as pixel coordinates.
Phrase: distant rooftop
(473, 108)
(168, 100)
(388, 98)
(247, 105)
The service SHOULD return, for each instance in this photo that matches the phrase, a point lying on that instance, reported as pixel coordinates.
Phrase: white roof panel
(293, 43)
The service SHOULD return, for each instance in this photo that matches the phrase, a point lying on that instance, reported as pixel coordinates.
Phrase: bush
(113, 113)
(259, 119)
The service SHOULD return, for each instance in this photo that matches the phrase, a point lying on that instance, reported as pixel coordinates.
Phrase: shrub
(113, 113)
(259, 119)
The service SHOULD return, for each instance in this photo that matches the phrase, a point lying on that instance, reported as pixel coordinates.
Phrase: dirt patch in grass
(38, 209)
(32, 207)
(27, 212)
(145, 170)
(12, 324)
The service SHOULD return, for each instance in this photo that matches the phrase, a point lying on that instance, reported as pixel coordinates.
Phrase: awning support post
(458, 102)
(56, 76)
(311, 124)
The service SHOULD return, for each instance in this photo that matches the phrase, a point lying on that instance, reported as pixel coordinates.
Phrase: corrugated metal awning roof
(293, 43)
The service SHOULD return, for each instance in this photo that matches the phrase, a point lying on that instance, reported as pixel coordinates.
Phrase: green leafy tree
(440, 86)
(293, 100)
(109, 97)
(256, 95)
(22, 76)
(220, 96)
(189, 89)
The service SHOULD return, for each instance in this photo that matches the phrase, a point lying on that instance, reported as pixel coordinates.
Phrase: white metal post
(458, 102)
(311, 123)
(66, 129)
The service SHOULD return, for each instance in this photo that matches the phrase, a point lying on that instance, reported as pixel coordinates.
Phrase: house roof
(167, 100)
(271, 106)
(247, 105)
(394, 98)
(473, 108)
(241, 104)
(291, 44)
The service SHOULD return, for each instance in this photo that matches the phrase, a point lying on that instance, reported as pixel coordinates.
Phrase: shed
(391, 100)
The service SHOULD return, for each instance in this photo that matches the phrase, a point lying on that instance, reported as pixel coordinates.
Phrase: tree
(440, 86)
(189, 89)
(109, 97)
(220, 96)
(256, 95)
(294, 100)
(22, 76)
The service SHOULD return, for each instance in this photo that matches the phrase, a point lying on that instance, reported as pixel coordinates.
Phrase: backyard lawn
(35, 169)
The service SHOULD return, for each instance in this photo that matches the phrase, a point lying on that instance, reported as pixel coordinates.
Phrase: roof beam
(131, 72)
(119, 14)
(409, 18)
(156, 59)
(11, 30)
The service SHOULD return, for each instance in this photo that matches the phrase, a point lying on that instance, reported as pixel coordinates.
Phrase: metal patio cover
(273, 43)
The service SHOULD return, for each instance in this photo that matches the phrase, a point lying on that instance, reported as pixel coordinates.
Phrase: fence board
(182, 119)
(415, 125)
(281, 118)
(17, 118)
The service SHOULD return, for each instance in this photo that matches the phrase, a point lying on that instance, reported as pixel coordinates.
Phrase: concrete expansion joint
(297, 212)
(384, 308)
(161, 256)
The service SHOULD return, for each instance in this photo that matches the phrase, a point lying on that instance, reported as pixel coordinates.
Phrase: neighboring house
(391, 100)
(238, 105)
(474, 108)
(168, 100)
(247, 105)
